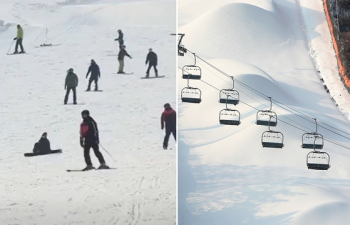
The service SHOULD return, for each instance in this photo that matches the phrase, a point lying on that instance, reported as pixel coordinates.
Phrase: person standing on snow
(152, 60)
(120, 39)
(121, 55)
(94, 69)
(71, 83)
(169, 118)
(89, 138)
(19, 39)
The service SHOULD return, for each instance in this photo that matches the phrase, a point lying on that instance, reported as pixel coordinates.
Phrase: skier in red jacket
(169, 119)
(89, 138)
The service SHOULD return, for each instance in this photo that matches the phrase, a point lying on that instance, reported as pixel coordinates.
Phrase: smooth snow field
(38, 190)
(279, 49)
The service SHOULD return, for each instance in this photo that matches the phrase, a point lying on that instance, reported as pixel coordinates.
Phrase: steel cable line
(281, 105)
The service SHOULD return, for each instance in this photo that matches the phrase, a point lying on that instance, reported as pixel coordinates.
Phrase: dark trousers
(37, 150)
(90, 81)
(149, 68)
(74, 95)
(96, 151)
(121, 42)
(168, 131)
(19, 43)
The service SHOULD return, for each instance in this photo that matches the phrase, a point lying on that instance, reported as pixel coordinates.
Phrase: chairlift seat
(272, 145)
(230, 122)
(311, 146)
(266, 123)
(317, 166)
(191, 100)
(191, 72)
(229, 101)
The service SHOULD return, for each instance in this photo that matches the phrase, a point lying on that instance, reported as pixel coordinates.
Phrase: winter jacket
(71, 80)
(89, 131)
(152, 58)
(120, 38)
(94, 69)
(122, 54)
(19, 33)
(43, 145)
(169, 118)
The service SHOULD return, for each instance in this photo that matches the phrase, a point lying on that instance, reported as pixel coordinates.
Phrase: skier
(152, 60)
(120, 39)
(94, 69)
(43, 145)
(19, 39)
(89, 138)
(169, 118)
(121, 55)
(71, 83)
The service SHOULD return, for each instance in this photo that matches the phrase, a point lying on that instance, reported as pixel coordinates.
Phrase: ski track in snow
(225, 176)
(38, 190)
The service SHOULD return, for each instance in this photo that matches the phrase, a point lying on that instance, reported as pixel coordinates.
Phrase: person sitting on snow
(43, 145)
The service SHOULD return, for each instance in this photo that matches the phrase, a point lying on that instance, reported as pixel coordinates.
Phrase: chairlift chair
(191, 72)
(229, 117)
(312, 140)
(266, 117)
(229, 96)
(191, 95)
(272, 139)
(317, 160)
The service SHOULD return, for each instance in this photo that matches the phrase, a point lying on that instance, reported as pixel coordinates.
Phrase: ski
(16, 53)
(124, 73)
(152, 77)
(75, 104)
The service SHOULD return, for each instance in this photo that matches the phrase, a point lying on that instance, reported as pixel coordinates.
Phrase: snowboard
(124, 73)
(47, 45)
(89, 170)
(152, 77)
(75, 104)
(16, 53)
(31, 154)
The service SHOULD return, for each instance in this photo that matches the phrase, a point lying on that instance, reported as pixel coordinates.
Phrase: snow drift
(225, 175)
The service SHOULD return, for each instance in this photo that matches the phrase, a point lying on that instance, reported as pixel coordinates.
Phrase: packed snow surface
(225, 175)
(38, 190)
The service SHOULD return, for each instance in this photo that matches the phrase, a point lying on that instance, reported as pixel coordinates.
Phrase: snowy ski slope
(38, 190)
(225, 175)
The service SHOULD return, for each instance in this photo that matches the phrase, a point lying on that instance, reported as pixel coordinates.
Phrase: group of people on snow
(89, 134)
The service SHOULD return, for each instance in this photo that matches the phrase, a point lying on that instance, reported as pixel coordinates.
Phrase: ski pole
(107, 153)
(10, 46)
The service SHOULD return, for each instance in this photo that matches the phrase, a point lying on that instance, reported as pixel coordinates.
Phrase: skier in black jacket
(152, 60)
(89, 138)
(94, 69)
(121, 55)
(120, 39)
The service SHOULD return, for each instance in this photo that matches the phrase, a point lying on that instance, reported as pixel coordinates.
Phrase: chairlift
(266, 117)
(312, 140)
(317, 160)
(229, 117)
(229, 96)
(272, 139)
(192, 71)
(191, 94)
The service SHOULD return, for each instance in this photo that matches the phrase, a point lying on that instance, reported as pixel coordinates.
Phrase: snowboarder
(89, 138)
(19, 39)
(43, 145)
(169, 118)
(121, 55)
(152, 60)
(94, 69)
(120, 39)
(71, 83)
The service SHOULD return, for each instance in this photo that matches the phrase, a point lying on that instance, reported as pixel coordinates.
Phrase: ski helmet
(85, 112)
(166, 105)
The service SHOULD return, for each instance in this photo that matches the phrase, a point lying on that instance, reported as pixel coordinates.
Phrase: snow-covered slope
(225, 175)
(38, 190)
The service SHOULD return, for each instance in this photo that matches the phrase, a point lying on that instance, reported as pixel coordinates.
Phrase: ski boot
(103, 166)
(89, 167)
(88, 89)
(121, 72)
